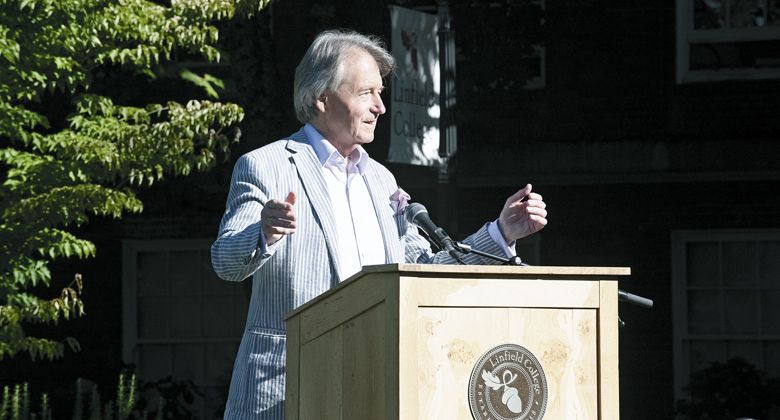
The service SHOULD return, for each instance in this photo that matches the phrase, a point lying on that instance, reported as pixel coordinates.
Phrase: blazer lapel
(393, 251)
(310, 173)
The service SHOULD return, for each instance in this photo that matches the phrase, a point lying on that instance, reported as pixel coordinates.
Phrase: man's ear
(322, 102)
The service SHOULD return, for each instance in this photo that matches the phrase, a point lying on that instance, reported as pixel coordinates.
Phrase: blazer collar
(309, 170)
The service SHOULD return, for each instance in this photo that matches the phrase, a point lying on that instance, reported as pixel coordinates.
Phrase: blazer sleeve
(418, 250)
(236, 253)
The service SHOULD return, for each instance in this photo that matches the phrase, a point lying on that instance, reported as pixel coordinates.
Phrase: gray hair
(320, 69)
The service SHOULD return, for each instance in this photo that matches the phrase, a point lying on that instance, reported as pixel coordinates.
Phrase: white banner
(414, 132)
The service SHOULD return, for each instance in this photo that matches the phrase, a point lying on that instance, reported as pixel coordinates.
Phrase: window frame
(686, 34)
(680, 336)
(131, 342)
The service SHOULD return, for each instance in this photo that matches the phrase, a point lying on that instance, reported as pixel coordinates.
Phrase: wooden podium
(407, 341)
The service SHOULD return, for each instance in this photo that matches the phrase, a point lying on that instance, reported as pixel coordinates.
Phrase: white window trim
(679, 296)
(686, 34)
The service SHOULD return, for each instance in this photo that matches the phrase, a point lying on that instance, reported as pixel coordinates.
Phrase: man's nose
(378, 107)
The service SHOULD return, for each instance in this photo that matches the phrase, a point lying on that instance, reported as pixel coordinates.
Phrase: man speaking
(308, 211)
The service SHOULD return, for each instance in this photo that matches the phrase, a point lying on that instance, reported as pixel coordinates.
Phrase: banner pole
(448, 140)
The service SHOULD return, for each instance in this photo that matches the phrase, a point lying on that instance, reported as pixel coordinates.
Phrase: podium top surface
(456, 270)
(466, 271)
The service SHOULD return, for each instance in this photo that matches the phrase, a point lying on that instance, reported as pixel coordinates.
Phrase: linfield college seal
(508, 383)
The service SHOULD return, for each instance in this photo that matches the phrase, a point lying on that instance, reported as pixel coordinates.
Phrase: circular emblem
(508, 383)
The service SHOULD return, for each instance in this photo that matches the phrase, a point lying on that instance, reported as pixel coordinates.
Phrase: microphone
(624, 296)
(417, 215)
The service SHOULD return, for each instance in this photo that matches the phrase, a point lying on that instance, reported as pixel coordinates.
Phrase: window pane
(213, 285)
(774, 12)
(152, 317)
(747, 13)
(741, 312)
(188, 361)
(703, 353)
(219, 364)
(155, 362)
(185, 272)
(703, 312)
(218, 316)
(739, 264)
(151, 273)
(703, 264)
(735, 55)
(770, 312)
(772, 352)
(749, 351)
(186, 316)
(708, 15)
(769, 264)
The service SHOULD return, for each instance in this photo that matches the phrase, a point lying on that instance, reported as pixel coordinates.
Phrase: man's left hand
(524, 213)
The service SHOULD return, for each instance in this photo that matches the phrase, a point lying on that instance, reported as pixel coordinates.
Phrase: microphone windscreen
(413, 210)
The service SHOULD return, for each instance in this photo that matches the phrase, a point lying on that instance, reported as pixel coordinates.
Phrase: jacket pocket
(266, 365)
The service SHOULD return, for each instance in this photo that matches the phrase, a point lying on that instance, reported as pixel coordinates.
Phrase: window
(725, 294)
(727, 39)
(179, 319)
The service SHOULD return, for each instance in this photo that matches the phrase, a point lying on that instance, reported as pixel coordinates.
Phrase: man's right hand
(278, 218)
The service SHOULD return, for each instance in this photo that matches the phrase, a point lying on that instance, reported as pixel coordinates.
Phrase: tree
(58, 171)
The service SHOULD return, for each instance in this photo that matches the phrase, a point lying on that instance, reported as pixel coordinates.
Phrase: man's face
(348, 116)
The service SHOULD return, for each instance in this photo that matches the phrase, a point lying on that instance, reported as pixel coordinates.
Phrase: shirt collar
(327, 153)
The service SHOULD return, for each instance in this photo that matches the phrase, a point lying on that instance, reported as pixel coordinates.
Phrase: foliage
(731, 389)
(68, 153)
(15, 404)
(120, 409)
(174, 399)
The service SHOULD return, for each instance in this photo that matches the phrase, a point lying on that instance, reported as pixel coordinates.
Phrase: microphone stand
(515, 260)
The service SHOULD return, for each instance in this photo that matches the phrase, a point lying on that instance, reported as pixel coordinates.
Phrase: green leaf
(204, 82)
(63, 164)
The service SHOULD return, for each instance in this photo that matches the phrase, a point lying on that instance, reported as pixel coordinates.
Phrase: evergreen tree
(58, 171)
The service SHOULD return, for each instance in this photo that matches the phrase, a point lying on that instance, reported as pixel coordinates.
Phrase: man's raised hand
(278, 218)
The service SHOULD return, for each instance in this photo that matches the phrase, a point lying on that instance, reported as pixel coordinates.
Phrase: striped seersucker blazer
(305, 263)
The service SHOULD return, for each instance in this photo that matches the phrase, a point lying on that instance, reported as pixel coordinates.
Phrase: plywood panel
(494, 292)
(564, 341)
(321, 368)
(451, 341)
(364, 362)
(347, 301)
(292, 372)
(609, 383)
